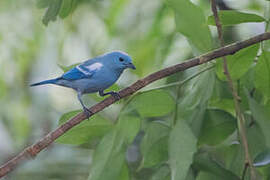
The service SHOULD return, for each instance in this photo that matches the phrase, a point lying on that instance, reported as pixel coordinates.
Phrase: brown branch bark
(33, 150)
(236, 98)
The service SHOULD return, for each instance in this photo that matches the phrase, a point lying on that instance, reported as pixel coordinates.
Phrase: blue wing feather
(75, 74)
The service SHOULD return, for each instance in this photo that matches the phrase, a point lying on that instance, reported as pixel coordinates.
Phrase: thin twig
(180, 83)
(244, 171)
(33, 150)
(239, 115)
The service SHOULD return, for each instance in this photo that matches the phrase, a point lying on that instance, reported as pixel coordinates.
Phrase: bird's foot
(116, 95)
(87, 112)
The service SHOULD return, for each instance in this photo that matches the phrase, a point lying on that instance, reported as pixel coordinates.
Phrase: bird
(94, 75)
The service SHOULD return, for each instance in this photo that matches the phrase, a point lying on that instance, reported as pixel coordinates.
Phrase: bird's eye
(121, 59)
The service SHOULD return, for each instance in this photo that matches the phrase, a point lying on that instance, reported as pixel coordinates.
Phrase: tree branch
(33, 150)
(236, 98)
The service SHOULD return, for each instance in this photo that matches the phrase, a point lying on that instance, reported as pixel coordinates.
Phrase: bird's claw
(87, 112)
(116, 95)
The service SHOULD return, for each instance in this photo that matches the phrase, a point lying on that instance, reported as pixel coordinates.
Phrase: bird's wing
(82, 71)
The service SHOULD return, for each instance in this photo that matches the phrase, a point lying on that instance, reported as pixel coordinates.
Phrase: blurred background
(31, 52)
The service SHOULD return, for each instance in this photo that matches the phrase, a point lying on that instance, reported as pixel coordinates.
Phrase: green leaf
(261, 115)
(182, 146)
(162, 173)
(206, 176)
(198, 91)
(56, 8)
(67, 7)
(124, 175)
(239, 63)
(193, 101)
(86, 131)
(262, 159)
(153, 103)
(65, 117)
(262, 74)
(255, 136)
(204, 162)
(235, 158)
(128, 127)
(224, 104)
(191, 174)
(43, 3)
(52, 11)
(231, 17)
(190, 21)
(217, 126)
(157, 155)
(155, 144)
(109, 156)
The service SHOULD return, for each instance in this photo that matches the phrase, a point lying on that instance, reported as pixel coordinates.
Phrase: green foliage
(262, 159)
(205, 163)
(239, 63)
(197, 91)
(53, 9)
(182, 146)
(163, 173)
(153, 104)
(67, 7)
(155, 145)
(262, 74)
(111, 151)
(42, 3)
(108, 153)
(189, 18)
(56, 8)
(217, 122)
(261, 115)
(231, 17)
(86, 131)
(193, 99)
(206, 176)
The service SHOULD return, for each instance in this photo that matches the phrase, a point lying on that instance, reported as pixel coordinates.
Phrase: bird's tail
(50, 81)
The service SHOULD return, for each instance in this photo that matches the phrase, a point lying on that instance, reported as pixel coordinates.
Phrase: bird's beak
(131, 66)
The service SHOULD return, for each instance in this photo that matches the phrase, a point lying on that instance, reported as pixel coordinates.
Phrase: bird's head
(119, 60)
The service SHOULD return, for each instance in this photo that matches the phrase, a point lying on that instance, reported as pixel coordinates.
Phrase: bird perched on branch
(94, 75)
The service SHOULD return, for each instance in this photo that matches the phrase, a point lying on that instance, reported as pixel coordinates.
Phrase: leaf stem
(236, 98)
(244, 171)
(181, 83)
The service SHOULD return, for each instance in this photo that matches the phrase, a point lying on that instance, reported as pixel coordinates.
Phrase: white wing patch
(83, 71)
(88, 70)
(94, 67)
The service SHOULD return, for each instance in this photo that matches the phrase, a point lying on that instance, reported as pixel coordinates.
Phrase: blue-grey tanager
(94, 75)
